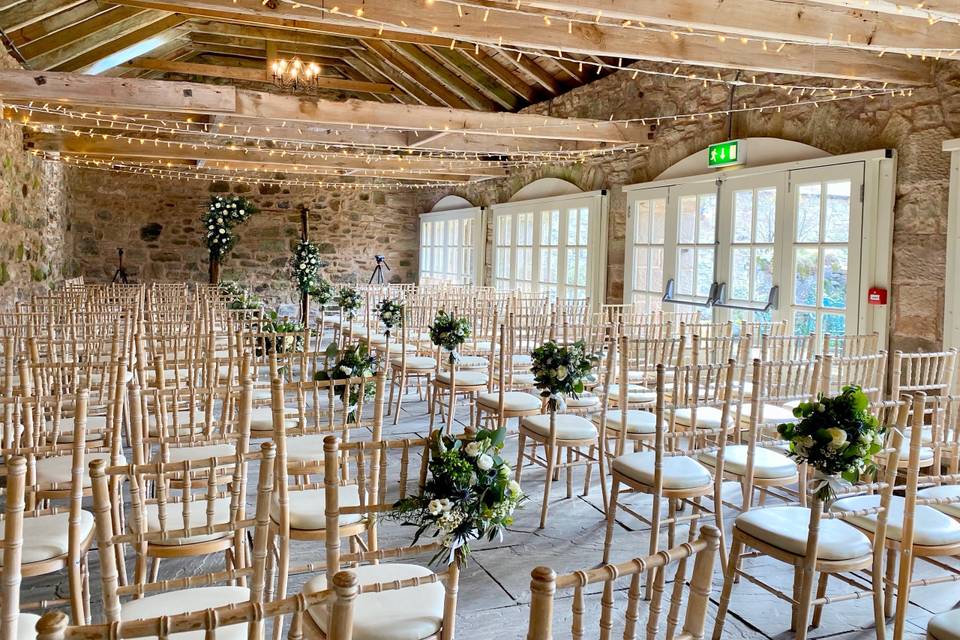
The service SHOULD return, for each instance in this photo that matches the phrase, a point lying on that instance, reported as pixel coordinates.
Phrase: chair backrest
(545, 584)
(930, 373)
(850, 345)
(783, 347)
(869, 372)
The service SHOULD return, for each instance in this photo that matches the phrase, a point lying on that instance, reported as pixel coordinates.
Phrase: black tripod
(121, 273)
(378, 270)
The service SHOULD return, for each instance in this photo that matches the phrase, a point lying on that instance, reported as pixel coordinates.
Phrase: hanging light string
(599, 65)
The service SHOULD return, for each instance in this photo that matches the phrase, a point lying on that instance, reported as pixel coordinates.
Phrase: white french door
(451, 246)
(646, 228)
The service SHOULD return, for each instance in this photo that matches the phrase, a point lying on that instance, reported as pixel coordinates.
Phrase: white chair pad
(47, 536)
(635, 394)
(944, 626)
(181, 420)
(472, 362)
(772, 414)
(464, 378)
(931, 528)
(787, 528)
(261, 418)
(186, 601)
(707, 417)
(926, 453)
(640, 377)
(307, 507)
(306, 448)
(584, 401)
(58, 469)
(94, 429)
(399, 614)
(479, 345)
(396, 347)
(521, 379)
(638, 421)
(418, 362)
(512, 401)
(521, 360)
(569, 427)
(767, 464)
(173, 516)
(679, 472)
(201, 452)
(377, 338)
(944, 491)
(27, 626)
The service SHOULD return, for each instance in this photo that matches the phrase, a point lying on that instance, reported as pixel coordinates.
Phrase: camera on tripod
(378, 270)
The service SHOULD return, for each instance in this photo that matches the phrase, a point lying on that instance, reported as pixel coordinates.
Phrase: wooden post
(542, 587)
(304, 236)
(214, 269)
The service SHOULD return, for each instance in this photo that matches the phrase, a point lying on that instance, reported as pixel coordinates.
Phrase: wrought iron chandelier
(295, 73)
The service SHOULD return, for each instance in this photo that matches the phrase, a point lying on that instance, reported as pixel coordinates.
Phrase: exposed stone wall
(32, 219)
(157, 223)
(914, 125)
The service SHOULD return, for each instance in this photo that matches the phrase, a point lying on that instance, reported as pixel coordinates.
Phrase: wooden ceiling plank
(416, 73)
(447, 78)
(79, 30)
(538, 73)
(286, 49)
(505, 75)
(114, 46)
(288, 36)
(261, 54)
(371, 74)
(410, 87)
(491, 87)
(33, 11)
(57, 22)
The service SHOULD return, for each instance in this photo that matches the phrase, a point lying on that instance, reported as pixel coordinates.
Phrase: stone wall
(32, 219)
(915, 125)
(157, 223)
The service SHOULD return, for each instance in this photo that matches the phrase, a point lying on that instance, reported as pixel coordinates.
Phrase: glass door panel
(503, 252)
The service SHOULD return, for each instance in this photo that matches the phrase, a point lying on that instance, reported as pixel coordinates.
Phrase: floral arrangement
(224, 213)
(469, 495)
(238, 297)
(561, 371)
(322, 291)
(836, 436)
(350, 301)
(449, 332)
(353, 362)
(290, 342)
(390, 313)
(305, 266)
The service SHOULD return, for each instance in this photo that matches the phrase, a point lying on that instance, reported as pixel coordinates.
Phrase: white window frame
(595, 202)
(951, 311)
(466, 271)
(875, 241)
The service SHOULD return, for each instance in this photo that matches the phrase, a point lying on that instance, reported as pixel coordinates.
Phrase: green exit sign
(725, 154)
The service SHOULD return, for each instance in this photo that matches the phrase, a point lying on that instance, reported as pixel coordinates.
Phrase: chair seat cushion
(177, 422)
(261, 418)
(569, 427)
(472, 362)
(173, 519)
(417, 362)
(306, 448)
(399, 614)
(464, 378)
(952, 509)
(767, 464)
(94, 429)
(943, 626)
(512, 401)
(583, 401)
(396, 347)
(57, 469)
(931, 528)
(47, 536)
(635, 394)
(27, 626)
(186, 601)
(307, 507)
(787, 528)
(772, 414)
(521, 360)
(679, 472)
(926, 453)
(201, 452)
(707, 417)
(638, 421)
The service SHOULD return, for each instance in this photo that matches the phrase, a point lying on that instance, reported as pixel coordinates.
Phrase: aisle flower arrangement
(354, 361)
(290, 342)
(469, 495)
(837, 436)
(222, 215)
(349, 300)
(238, 297)
(390, 313)
(560, 371)
(305, 265)
(449, 333)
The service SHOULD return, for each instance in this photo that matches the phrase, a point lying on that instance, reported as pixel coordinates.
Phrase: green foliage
(560, 371)
(449, 332)
(223, 214)
(349, 300)
(238, 297)
(469, 495)
(305, 266)
(390, 313)
(352, 362)
(288, 340)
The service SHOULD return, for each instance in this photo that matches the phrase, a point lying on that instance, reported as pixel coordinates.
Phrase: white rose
(485, 462)
(821, 407)
(219, 205)
(561, 372)
(303, 266)
(514, 488)
(240, 212)
(504, 470)
(445, 504)
(435, 508)
(802, 445)
(472, 449)
(346, 370)
(838, 437)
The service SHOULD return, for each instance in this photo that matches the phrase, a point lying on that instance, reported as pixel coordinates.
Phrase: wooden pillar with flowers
(305, 266)
(222, 215)
(304, 237)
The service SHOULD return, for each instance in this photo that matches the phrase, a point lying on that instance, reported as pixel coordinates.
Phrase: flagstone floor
(494, 590)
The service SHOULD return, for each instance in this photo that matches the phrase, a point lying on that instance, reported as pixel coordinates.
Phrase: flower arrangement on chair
(469, 495)
(350, 301)
(238, 297)
(449, 332)
(305, 264)
(390, 313)
(836, 436)
(559, 371)
(352, 362)
(280, 344)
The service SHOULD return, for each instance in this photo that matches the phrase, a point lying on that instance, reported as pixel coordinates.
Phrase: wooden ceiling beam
(32, 11)
(79, 30)
(186, 97)
(505, 75)
(447, 78)
(284, 49)
(261, 54)
(538, 73)
(410, 87)
(416, 73)
(288, 36)
(489, 86)
(93, 56)
(57, 22)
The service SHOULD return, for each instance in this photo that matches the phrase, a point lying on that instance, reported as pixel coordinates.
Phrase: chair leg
(611, 519)
(818, 608)
(393, 385)
(521, 443)
(803, 602)
(891, 573)
(730, 572)
(75, 575)
(552, 451)
(154, 569)
(85, 572)
(588, 472)
(140, 567)
(569, 473)
(654, 542)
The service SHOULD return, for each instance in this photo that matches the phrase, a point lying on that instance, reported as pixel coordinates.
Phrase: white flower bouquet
(305, 266)
(836, 436)
(224, 213)
(349, 300)
(469, 495)
(238, 297)
(390, 313)
(449, 332)
(562, 371)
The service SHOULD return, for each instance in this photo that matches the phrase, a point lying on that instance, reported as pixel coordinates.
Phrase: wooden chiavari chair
(450, 381)
(418, 365)
(782, 347)
(14, 624)
(850, 345)
(703, 551)
(504, 403)
(929, 373)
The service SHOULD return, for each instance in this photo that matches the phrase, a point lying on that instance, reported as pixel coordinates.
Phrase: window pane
(571, 272)
(641, 274)
(808, 213)
(742, 216)
(642, 229)
(548, 265)
(659, 214)
(707, 232)
(656, 269)
(583, 233)
(834, 324)
(805, 276)
(762, 274)
(835, 278)
(741, 274)
(804, 323)
(837, 218)
(704, 271)
(582, 267)
(688, 220)
(685, 272)
(572, 226)
(766, 215)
